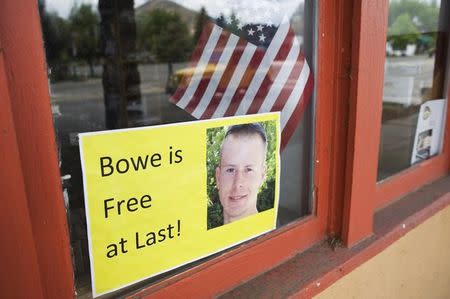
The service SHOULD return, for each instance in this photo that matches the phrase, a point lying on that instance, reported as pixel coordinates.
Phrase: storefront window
(124, 64)
(415, 85)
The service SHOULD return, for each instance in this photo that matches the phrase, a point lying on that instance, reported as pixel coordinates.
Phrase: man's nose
(238, 178)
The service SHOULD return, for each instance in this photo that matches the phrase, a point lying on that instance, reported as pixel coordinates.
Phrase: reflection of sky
(258, 11)
(438, 2)
(62, 7)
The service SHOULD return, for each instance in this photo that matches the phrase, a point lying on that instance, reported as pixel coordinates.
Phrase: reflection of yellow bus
(183, 76)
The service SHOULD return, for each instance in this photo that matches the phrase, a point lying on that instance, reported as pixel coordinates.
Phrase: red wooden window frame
(351, 39)
(14, 223)
(42, 214)
(222, 273)
(429, 170)
(363, 194)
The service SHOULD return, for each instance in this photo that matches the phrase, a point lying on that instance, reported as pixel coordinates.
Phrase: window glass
(120, 64)
(414, 84)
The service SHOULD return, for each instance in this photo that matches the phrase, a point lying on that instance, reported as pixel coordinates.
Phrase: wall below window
(415, 266)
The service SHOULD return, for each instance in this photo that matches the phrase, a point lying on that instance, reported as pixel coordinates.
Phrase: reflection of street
(78, 106)
(397, 137)
(83, 101)
(408, 81)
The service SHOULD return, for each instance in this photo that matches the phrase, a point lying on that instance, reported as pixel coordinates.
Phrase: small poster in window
(161, 197)
(428, 138)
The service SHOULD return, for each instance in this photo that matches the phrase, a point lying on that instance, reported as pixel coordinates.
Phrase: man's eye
(229, 170)
(248, 169)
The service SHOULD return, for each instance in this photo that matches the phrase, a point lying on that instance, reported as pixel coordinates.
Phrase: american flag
(248, 67)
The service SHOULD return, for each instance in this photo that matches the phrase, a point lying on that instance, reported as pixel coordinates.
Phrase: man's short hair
(248, 129)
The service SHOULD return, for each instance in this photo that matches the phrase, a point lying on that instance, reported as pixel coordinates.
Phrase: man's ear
(264, 174)
(217, 177)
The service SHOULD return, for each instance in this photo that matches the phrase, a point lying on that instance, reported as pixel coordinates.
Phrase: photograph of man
(241, 170)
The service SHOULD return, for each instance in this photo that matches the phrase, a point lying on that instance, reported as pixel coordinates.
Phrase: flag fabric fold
(242, 68)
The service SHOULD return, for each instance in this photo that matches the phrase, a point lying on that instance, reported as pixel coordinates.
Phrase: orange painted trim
(19, 277)
(425, 172)
(392, 188)
(409, 180)
(30, 106)
(384, 241)
(26, 73)
(417, 175)
(368, 47)
(222, 274)
(308, 272)
(249, 260)
(341, 57)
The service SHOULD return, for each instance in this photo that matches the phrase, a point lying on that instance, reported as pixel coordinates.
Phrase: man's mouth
(237, 197)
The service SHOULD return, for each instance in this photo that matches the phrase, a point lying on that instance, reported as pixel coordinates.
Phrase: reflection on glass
(415, 72)
(116, 64)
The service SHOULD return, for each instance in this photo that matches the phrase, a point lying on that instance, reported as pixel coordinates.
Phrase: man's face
(241, 172)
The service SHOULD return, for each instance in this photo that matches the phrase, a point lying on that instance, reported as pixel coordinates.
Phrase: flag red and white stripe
(231, 76)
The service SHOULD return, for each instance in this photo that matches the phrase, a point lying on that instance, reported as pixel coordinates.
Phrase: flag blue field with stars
(247, 61)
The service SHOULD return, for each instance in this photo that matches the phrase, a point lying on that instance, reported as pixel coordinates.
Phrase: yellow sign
(160, 197)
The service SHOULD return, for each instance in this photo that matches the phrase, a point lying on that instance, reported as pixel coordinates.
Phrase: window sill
(313, 270)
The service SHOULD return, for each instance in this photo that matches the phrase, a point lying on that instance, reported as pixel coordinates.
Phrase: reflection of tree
(424, 24)
(84, 31)
(166, 36)
(55, 31)
(200, 22)
(423, 14)
(120, 74)
(402, 32)
(408, 19)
